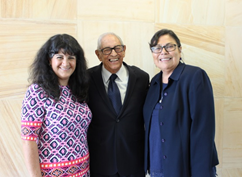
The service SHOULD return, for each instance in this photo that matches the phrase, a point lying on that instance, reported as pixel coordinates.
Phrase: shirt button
(165, 94)
(117, 120)
(163, 140)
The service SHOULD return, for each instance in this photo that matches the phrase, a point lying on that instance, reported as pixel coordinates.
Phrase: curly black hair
(41, 72)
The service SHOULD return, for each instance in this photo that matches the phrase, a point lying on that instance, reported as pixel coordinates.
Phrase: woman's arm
(32, 158)
(202, 130)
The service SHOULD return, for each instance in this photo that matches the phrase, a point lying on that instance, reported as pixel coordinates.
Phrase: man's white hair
(99, 41)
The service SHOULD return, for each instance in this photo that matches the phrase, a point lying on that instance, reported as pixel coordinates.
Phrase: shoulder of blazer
(95, 73)
(156, 78)
(95, 69)
(136, 71)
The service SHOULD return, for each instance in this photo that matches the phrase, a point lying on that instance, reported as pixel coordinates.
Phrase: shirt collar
(106, 74)
(175, 74)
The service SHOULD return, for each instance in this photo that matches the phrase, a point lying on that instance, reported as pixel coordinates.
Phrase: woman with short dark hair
(179, 115)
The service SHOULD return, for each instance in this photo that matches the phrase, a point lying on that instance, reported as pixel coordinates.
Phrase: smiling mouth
(164, 59)
(113, 60)
(65, 69)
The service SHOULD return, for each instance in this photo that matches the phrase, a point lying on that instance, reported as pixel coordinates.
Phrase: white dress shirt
(121, 80)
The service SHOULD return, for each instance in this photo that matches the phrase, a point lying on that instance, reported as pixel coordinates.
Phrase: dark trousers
(118, 175)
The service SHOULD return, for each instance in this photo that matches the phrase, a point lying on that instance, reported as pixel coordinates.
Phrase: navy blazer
(187, 123)
(117, 138)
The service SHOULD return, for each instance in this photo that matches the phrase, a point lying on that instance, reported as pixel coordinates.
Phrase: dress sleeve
(33, 113)
(202, 130)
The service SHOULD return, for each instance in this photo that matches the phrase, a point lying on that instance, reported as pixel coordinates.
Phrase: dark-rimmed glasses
(108, 50)
(168, 47)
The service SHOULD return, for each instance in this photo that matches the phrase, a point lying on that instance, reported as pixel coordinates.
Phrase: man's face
(113, 61)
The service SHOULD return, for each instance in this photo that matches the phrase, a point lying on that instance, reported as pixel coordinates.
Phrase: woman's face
(167, 61)
(63, 66)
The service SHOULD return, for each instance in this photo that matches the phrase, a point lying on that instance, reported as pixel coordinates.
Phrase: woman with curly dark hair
(55, 116)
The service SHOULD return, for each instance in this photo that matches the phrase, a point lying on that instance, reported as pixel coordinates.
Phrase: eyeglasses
(168, 47)
(108, 50)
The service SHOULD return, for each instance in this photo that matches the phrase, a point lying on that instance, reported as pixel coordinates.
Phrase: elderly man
(116, 96)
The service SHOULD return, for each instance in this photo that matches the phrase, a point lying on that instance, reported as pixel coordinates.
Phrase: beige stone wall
(210, 32)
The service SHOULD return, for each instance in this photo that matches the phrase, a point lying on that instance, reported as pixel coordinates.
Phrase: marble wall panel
(233, 15)
(44, 9)
(206, 12)
(208, 38)
(228, 172)
(1, 8)
(55, 9)
(212, 63)
(135, 36)
(19, 44)
(173, 11)
(219, 122)
(11, 158)
(16, 9)
(125, 10)
(232, 133)
(233, 72)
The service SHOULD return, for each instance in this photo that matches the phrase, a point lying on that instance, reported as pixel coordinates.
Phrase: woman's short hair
(158, 34)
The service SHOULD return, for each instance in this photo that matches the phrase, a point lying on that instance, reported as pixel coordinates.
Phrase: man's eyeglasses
(168, 47)
(108, 50)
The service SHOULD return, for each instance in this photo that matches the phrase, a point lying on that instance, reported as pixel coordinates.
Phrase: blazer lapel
(130, 87)
(98, 81)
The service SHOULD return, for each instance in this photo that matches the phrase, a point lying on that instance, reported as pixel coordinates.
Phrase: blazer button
(164, 157)
(165, 94)
(117, 120)
(161, 107)
(161, 123)
(162, 140)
